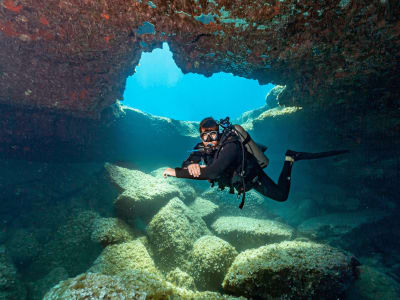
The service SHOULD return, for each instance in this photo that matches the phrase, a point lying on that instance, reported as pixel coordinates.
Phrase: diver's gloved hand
(194, 170)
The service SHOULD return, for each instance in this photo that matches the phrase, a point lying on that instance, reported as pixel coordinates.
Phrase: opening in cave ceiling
(159, 87)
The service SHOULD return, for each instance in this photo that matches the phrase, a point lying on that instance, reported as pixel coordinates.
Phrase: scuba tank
(251, 146)
(248, 145)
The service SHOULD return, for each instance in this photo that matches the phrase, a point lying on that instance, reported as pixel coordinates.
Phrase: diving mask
(209, 136)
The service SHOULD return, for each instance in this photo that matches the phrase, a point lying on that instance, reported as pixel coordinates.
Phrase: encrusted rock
(211, 258)
(143, 195)
(205, 209)
(272, 98)
(291, 270)
(111, 231)
(228, 203)
(94, 286)
(132, 285)
(10, 286)
(173, 231)
(181, 279)
(124, 257)
(184, 185)
(245, 233)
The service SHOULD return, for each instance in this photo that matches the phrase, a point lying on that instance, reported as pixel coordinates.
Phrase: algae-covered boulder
(181, 279)
(205, 209)
(291, 270)
(173, 231)
(142, 194)
(127, 256)
(211, 258)
(109, 231)
(184, 185)
(23, 247)
(245, 233)
(132, 285)
(229, 204)
(93, 286)
(10, 286)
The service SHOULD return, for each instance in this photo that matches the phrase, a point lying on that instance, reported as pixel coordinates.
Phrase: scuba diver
(232, 159)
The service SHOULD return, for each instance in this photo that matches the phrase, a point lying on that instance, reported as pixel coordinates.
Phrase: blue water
(159, 87)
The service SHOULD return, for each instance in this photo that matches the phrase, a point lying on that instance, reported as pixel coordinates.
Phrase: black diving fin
(308, 155)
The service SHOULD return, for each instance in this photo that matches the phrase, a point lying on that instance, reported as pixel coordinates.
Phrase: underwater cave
(85, 138)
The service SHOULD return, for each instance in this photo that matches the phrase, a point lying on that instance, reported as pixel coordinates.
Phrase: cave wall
(64, 62)
(74, 56)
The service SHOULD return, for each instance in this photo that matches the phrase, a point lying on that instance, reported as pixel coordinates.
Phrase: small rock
(181, 279)
(245, 233)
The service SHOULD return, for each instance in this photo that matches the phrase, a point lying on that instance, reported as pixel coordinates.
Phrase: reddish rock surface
(72, 57)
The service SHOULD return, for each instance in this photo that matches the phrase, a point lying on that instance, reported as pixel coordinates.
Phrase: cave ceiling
(74, 56)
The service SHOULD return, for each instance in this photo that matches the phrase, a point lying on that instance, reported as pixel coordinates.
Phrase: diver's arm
(227, 156)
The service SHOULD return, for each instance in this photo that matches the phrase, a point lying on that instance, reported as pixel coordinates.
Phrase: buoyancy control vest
(252, 154)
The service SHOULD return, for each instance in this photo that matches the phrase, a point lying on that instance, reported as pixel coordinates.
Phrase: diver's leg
(270, 189)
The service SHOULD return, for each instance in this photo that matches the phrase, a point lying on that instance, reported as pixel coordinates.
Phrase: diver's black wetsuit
(228, 160)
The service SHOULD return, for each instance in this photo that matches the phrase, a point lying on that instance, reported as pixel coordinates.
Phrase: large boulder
(184, 185)
(10, 285)
(245, 233)
(211, 258)
(205, 209)
(181, 279)
(94, 286)
(127, 256)
(291, 270)
(229, 204)
(109, 231)
(132, 285)
(142, 194)
(173, 231)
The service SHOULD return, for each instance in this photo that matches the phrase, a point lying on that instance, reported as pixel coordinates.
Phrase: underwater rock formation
(272, 98)
(142, 194)
(172, 233)
(72, 58)
(207, 210)
(133, 285)
(211, 258)
(293, 270)
(181, 279)
(128, 256)
(184, 186)
(245, 233)
(75, 57)
(109, 231)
